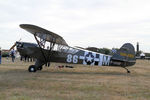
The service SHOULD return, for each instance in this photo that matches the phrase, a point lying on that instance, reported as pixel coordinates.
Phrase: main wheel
(128, 71)
(32, 68)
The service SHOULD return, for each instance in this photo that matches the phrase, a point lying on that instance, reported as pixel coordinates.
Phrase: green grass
(79, 83)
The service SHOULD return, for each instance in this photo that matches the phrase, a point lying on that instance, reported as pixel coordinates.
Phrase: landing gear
(126, 69)
(40, 68)
(124, 64)
(32, 68)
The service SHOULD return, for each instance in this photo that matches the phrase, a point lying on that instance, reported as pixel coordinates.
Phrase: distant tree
(5, 54)
(116, 48)
(92, 49)
(107, 51)
(147, 54)
(101, 50)
(104, 51)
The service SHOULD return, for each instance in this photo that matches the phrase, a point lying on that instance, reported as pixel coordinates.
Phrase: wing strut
(41, 44)
(51, 47)
(40, 47)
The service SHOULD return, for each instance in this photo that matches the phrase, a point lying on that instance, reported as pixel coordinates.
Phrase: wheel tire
(128, 71)
(32, 68)
(40, 68)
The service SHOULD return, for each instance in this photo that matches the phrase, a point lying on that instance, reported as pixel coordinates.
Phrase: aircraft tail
(125, 56)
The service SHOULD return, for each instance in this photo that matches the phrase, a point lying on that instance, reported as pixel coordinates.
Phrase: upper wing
(44, 34)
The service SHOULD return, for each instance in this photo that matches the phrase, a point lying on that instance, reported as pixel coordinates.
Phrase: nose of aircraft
(20, 48)
(19, 44)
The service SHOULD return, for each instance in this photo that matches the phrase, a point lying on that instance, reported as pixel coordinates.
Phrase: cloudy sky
(99, 23)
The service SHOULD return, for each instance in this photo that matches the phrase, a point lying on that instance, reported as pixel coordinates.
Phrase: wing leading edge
(44, 34)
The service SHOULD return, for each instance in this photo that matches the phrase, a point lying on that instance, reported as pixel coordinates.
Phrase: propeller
(12, 47)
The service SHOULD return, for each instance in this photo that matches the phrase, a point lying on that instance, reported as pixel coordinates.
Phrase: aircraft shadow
(90, 73)
(21, 71)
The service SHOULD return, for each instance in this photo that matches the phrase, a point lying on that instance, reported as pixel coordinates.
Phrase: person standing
(0, 55)
(48, 63)
(12, 53)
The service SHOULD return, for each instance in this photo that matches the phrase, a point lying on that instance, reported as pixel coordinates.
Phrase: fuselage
(70, 55)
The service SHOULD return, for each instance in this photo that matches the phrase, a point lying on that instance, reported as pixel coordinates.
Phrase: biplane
(60, 52)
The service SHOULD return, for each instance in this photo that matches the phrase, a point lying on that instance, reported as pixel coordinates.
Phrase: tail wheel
(32, 68)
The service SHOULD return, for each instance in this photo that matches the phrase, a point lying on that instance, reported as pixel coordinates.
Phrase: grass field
(79, 83)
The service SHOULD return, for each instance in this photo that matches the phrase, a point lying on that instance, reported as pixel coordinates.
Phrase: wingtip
(21, 25)
(25, 25)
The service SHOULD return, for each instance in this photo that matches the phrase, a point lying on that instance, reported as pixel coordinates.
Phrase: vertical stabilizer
(125, 55)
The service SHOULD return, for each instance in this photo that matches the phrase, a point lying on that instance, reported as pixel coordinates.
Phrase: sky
(84, 23)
